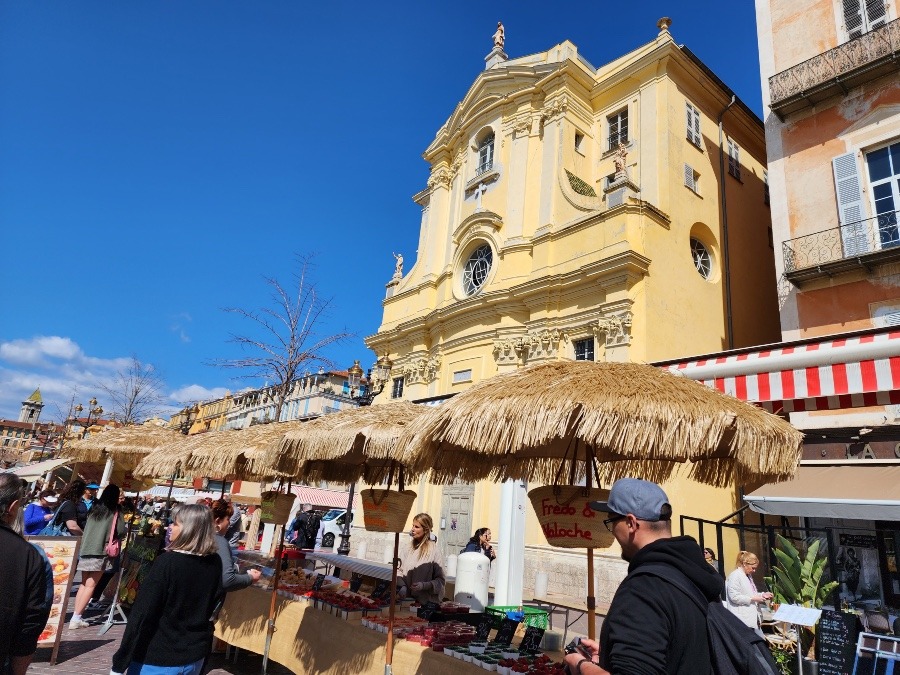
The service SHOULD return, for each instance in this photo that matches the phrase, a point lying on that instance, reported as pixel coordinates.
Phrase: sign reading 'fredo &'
(566, 517)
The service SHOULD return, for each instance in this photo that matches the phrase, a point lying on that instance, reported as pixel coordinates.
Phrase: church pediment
(483, 222)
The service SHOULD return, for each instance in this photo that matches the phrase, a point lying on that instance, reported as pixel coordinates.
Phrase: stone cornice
(489, 218)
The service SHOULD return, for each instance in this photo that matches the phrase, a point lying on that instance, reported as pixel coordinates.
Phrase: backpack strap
(677, 579)
(56, 514)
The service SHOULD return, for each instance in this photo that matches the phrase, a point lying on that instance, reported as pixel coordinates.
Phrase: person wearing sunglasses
(651, 627)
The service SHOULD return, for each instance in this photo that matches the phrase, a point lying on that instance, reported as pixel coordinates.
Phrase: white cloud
(195, 392)
(60, 368)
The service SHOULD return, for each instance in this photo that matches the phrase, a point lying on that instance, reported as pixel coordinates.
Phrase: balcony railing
(858, 243)
(860, 60)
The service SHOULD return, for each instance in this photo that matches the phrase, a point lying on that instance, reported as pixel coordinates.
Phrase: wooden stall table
(562, 603)
(308, 640)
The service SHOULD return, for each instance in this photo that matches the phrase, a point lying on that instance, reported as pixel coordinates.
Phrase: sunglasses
(609, 522)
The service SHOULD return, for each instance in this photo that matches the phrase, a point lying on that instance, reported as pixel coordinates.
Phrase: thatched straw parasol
(567, 420)
(633, 419)
(126, 445)
(354, 444)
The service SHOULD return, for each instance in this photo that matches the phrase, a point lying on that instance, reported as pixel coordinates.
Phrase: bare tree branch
(135, 394)
(286, 342)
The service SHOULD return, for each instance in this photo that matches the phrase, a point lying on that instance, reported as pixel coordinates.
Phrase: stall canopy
(35, 471)
(859, 492)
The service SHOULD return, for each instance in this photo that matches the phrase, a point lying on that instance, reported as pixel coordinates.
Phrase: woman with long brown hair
(421, 565)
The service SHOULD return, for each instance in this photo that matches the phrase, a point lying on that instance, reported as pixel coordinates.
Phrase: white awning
(35, 471)
(857, 491)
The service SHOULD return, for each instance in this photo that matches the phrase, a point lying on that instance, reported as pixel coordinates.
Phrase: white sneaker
(78, 623)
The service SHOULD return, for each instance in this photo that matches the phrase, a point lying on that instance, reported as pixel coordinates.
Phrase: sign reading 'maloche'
(566, 517)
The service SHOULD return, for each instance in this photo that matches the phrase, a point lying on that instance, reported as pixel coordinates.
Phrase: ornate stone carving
(440, 177)
(536, 345)
(422, 370)
(522, 126)
(616, 329)
(458, 162)
(555, 108)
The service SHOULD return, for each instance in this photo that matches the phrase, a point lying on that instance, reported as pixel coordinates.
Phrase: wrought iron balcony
(865, 243)
(860, 60)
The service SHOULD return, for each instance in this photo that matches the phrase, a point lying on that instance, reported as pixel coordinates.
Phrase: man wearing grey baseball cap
(651, 627)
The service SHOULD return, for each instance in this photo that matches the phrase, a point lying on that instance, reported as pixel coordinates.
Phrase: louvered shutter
(875, 13)
(849, 200)
(689, 177)
(853, 18)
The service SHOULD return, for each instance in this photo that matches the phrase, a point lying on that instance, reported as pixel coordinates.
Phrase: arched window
(702, 258)
(476, 269)
(485, 154)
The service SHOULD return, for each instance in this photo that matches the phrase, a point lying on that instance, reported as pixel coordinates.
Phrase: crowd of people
(652, 624)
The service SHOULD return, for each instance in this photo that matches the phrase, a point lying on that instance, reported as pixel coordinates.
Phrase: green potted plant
(798, 580)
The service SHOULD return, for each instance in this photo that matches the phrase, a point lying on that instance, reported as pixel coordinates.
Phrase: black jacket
(169, 624)
(652, 628)
(23, 595)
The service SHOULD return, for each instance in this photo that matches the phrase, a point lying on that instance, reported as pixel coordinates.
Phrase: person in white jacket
(741, 595)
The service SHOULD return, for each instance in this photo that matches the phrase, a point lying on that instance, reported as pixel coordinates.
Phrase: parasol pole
(270, 624)
(591, 600)
(389, 647)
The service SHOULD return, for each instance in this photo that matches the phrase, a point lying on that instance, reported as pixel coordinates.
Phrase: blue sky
(158, 159)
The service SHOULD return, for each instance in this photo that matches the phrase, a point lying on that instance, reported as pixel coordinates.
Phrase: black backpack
(734, 648)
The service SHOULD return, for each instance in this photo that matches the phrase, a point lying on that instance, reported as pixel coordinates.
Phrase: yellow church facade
(574, 212)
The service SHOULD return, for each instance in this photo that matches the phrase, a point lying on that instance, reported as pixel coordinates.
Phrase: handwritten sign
(317, 584)
(836, 640)
(505, 632)
(858, 540)
(381, 588)
(532, 639)
(62, 554)
(483, 628)
(566, 517)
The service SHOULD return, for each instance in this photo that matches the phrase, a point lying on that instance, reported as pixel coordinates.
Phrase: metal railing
(831, 65)
(615, 139)
(839, 243)
(484, 167)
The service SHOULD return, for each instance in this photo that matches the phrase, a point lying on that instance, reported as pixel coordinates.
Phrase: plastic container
(533, 617)
(473, 573)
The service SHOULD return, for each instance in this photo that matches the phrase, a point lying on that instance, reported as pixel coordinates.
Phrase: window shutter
(853, 18)
(849, 199)
(875, 13)
(689, 177)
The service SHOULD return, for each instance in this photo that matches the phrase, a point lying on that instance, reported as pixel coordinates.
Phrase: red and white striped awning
(831, 374)
(319, 497)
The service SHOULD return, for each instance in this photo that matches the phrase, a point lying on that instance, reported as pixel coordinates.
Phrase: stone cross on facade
(480, 190)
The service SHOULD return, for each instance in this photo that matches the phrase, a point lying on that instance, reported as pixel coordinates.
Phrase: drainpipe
(729, 323)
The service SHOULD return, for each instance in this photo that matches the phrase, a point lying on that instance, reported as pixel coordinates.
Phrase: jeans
(136, 668)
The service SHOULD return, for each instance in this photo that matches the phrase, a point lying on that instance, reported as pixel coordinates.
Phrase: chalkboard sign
(858, 540)
(483, 629)
(355, 583)
(505, 633)
(427, 610)
(532, 640)
(836, 639)
(317, 584)
(380, 589)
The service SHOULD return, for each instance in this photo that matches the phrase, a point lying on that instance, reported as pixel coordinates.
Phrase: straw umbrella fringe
(125, 444)
(635, 419)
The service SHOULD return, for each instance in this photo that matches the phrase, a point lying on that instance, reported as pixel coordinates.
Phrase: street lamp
(378, 378)
(93, 409)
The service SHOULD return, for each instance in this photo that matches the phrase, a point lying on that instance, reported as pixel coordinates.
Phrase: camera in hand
(575, 646)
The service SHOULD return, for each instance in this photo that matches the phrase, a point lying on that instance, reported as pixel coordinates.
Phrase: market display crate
(533, 616)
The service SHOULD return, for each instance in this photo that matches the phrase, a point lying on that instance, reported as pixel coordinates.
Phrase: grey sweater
(232, 580)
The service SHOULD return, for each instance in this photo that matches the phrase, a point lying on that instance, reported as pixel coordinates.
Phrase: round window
(701, 257)
(476, 269)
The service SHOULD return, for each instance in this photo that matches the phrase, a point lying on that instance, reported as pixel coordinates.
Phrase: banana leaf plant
(800, 580)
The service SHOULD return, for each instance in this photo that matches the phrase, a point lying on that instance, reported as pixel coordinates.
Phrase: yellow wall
(569, 266)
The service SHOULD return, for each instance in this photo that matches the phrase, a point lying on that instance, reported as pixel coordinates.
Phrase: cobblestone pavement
(84, 652)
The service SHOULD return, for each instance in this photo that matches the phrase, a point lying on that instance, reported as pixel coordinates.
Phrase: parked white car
(331, 527)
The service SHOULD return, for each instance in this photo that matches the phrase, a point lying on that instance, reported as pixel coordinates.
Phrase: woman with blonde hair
(741, 595)
(170, 627)
(421, 573)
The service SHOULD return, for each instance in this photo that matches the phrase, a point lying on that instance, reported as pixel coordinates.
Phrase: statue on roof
(398, 267)
(500, 36)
